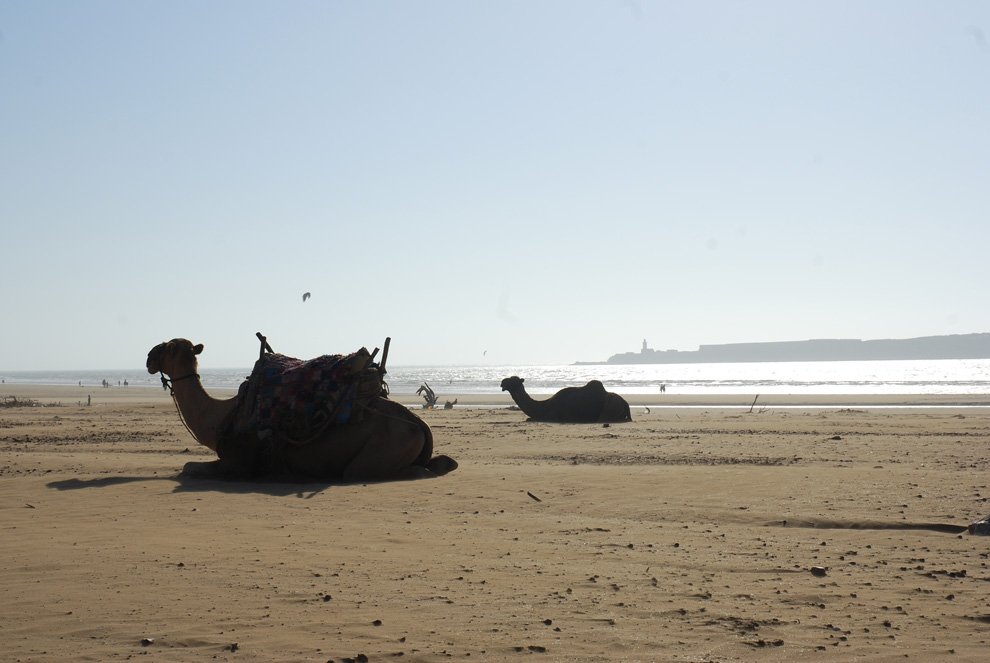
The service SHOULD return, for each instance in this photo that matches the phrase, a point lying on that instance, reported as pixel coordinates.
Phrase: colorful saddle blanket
(295, 400)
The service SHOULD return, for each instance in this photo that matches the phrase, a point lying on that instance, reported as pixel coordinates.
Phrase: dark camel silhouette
(588, 404)
(389, 441)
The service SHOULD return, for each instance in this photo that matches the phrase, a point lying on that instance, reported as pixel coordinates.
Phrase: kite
(305, 296)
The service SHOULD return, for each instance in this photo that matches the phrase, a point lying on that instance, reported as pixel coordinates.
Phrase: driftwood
(761, 410)
(428, 395)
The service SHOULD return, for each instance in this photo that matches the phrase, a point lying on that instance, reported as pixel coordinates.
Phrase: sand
(690, 534)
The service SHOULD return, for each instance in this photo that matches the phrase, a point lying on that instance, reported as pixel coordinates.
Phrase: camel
(383, 441)
(587, 404)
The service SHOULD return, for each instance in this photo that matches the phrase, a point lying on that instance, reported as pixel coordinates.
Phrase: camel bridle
(167, 383)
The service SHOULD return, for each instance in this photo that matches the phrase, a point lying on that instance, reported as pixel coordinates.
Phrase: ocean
(951, 376)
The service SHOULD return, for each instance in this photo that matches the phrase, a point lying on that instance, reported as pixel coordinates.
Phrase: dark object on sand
(588, 404)
(980, 527)
(327, 418)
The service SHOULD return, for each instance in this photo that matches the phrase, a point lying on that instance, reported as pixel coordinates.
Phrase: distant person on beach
(663, 388)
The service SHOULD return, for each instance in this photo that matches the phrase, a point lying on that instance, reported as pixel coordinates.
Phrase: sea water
(952, 376)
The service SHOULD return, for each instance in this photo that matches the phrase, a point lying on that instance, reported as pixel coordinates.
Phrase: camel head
(176, 357)
(512, 384)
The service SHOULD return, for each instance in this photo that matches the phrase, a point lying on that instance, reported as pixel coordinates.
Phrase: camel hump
(595, 384)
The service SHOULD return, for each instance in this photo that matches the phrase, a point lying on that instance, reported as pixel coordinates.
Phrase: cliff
(958, 346)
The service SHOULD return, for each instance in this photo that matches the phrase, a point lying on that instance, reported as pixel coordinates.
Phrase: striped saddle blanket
(295, 400)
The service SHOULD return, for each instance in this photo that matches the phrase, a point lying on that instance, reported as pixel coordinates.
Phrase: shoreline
(70, 395)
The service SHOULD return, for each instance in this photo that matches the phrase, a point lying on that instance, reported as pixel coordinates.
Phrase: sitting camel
(587, 404)
(382, 439)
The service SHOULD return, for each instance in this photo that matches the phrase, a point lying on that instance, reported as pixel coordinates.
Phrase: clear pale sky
(487, 182)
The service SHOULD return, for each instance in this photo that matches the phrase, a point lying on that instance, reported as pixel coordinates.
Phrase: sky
(490, 182)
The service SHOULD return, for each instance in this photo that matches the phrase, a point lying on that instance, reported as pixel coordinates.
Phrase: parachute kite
(305, 296)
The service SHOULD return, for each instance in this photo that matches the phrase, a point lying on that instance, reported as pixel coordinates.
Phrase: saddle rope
(167, 384)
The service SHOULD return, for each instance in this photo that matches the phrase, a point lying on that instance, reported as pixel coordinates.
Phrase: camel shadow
(185, 483)
(102, 482)
(272, 487)
(188, 484)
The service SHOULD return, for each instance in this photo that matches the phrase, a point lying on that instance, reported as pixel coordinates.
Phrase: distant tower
(644, 346)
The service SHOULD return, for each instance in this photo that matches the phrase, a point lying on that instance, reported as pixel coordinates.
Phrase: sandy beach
(702, 531)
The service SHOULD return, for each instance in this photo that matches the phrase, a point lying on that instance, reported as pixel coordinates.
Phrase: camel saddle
(288, 400)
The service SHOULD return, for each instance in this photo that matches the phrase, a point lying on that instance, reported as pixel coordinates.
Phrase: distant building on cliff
(958, 346)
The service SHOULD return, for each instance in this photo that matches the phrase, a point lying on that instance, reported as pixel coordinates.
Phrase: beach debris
(306, 296)
(835, 437)
(14, 401)
(980, 527)
(450, 405)
(762, 410)
(232, 647)
(533, 496)
(428, 395)
(819, 571)
(147, 641)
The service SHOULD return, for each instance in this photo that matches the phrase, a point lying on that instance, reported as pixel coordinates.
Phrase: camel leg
(214, 469)
(440, 465)
(435, 467)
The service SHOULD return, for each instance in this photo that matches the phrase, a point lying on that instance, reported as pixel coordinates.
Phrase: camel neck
(526, 403)
(203, 414)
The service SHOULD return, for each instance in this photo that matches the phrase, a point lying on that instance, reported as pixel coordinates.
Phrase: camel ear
(521, 380)
(197, 348)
